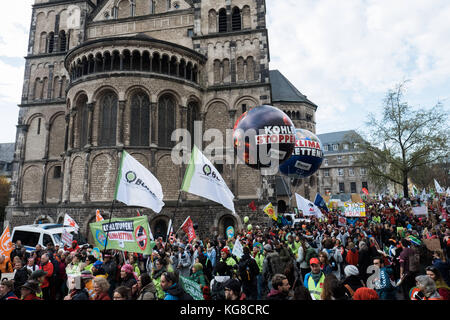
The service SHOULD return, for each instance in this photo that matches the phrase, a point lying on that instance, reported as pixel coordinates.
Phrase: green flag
(125, 234)
(192, 288)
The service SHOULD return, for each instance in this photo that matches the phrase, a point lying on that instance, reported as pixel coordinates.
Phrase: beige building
(113, 75)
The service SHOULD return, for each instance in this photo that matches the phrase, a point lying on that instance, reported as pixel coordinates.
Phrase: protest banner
(5, 244)
(356, 197)
(432, 244)
(342, 221)
(354, 209)
(230, 232)
(125, 234)
(192, 288)
(66, 238)
(420, 211)
(238, 249)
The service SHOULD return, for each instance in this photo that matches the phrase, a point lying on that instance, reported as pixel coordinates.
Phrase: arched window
(85, 63)
(108, 119)
(236, 23)
(91, 63)
(240, 69)
(108, 61)
(217, 78)
(250, 69)
(99, 62)
(146, 61)
(43, 43)
(156, 63)
(126, 60)
(246, 19)
(173, 67)
(165, 64)
(226, 71)
(192, 116)
(140, 119)
(82, 120)
(56, 88)
(51, 42)
(62, 41)
(182, 69)
(124, 9)
(116, 60)
(212, 21)
(136, 61)
(222, 20)
(166, 120)
(152, 6)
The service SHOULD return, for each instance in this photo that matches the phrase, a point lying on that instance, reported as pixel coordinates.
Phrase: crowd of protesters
(382, 256)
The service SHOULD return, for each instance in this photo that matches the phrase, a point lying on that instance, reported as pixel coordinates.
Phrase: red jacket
(352, 257)
(31, 296)
(48, 267)
(102, 296)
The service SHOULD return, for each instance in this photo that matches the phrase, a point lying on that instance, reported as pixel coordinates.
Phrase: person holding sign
(172, 289)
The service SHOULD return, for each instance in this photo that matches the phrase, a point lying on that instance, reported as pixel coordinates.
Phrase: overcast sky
(343, 55)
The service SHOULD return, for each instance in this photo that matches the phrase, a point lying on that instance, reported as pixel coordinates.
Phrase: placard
(433, 244)
(420, 211)
(354, 209)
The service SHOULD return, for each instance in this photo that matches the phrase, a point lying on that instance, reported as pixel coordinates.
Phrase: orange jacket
(48, 267)
(6, 266)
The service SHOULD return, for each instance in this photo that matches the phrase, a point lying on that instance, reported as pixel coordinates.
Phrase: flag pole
(107, 233)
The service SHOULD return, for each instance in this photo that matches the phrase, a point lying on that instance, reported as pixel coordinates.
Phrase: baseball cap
(314, 261)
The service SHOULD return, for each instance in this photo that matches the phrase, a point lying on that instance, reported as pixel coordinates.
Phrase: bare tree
(403, 140)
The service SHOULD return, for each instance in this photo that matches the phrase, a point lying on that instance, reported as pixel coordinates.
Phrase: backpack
(310, 253)
(275, 264)
(332, 260)
(414, 261)
(248, 270)
(218, 290)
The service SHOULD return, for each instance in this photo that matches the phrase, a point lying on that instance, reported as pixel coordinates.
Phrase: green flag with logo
(192, 288)
(125, 234)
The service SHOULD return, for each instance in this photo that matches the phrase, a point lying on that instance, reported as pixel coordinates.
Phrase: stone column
(233, 169)
(90, 107)
(71, 129)
(86, 178)
(154, 122)
(119, 133)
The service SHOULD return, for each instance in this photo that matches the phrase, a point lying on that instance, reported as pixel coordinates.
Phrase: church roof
(284, 91)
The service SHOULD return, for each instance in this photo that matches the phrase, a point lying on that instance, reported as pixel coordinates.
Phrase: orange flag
(5, 244)
(98, 216)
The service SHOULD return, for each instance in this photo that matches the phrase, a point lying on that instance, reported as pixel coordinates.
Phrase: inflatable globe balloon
(246, 219)
(249, 227)
(306, 158)
(263, 137)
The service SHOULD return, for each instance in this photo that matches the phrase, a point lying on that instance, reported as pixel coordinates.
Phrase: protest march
(380, 248)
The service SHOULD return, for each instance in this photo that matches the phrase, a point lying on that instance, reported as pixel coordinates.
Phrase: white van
(31, 235)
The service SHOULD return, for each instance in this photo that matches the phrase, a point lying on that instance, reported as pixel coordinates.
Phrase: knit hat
(37, 274)
(226, 250)
(98, 264)
(351, 270)
(268, 247)
(198, 266)
(234, 285)
(365, 294)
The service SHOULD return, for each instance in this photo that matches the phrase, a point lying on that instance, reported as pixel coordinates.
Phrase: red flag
(252, 206)
(188, 228)
(138, 213)
(366, 192)
(98, 216)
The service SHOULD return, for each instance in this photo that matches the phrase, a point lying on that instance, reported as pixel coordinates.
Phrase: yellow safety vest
(316, 290)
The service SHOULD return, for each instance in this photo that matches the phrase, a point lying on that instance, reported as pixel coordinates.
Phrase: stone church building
(113, 75)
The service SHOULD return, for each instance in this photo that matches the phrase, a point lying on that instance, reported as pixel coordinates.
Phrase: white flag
(238, 250)
(136, 186)
(68, 221)
(438, 187)
(203, 179)
(448, 192)
(308, 208)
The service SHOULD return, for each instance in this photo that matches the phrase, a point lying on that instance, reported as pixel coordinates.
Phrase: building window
(309, 117)
(190, 32)
(140, 118)
(219, 167)
(222, 20)
(339, 159)
(335, 147)
(57, 172)
(169, 4)
(166, 120)
(192, 116)
(350, 158)
(325, 147)
(353, 187)
(108, 120)
(236, 23)
(326, 173)
(39, 126)
(363, 171)
(152, 7)
(325, 162)
(244, 108)
(351, 172)
(341, 187)
(340, 172)
(364, 185)
(345, 146)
